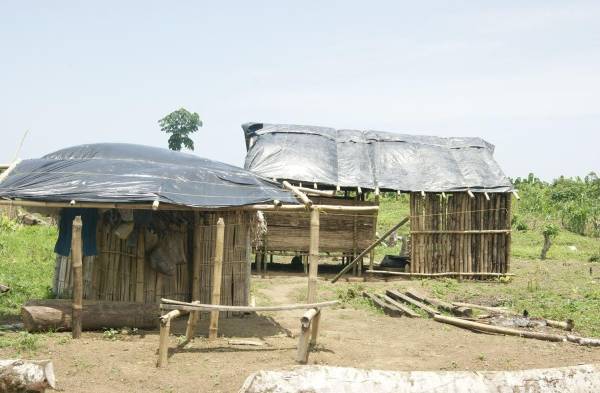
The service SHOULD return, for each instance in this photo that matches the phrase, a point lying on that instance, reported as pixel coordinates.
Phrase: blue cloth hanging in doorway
(89, 218)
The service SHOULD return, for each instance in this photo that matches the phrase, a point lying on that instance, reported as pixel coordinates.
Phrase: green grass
(528, 245)
(21, 342)
(392, 210)
(548, 289)
(26, 264)
(525, 244)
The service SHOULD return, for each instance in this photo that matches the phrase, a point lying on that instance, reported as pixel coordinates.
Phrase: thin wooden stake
(217, 277)
(77, 268)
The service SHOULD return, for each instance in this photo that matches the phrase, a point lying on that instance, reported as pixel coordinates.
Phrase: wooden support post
(217, 277)
(163, 345)
(190, 330)
(305, 335)
(313, 263)
(314, 333)
(77, 268)
(248, 265)
(139, 270)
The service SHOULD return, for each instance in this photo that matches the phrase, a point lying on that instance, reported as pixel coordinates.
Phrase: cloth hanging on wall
(89, 218)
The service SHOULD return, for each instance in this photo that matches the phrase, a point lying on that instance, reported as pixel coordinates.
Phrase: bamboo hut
(151, 220)
(460, 200)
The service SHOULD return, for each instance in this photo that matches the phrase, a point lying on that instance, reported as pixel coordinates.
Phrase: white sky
(523, 75)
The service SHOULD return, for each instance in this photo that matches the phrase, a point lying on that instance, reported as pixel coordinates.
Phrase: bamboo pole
(366, 250)
(313, 263)
(197, 261)
(444, 274)
(217, 277)
(140, 264)
(77, 267)
(302, 196)
(170, 207)
(304, 338)
(163, 345)
(168, 304)
(248, 268)
(330, 193)
(481, 327)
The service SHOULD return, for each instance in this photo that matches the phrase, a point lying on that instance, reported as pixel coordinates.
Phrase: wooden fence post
(77, 268)
(163, 346)
(217, 276)
(196, 260)
(313, 263)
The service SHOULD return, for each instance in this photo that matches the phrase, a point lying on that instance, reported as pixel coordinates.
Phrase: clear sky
(523, 75)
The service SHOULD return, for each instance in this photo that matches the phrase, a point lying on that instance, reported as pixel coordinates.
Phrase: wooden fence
(460, 233)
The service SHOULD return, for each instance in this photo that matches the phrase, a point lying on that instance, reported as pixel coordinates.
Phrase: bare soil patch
(349, 337)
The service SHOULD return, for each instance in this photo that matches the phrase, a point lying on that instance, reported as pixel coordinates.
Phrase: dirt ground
(349, 337)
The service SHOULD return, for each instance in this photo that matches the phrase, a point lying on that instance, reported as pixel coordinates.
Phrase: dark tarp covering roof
(118, 172)
(370, 159)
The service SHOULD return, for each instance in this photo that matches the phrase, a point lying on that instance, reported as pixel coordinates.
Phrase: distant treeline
(572, 203)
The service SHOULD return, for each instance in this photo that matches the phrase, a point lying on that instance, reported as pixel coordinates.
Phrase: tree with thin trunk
(180, 124)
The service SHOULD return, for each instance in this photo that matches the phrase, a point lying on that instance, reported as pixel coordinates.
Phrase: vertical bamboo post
(313, 262)
(196, 262)
(163, 345)
(217, 273)
(140, 261)
(77, 267)
(248, 265)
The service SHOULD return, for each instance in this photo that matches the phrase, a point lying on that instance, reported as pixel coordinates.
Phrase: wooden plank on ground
(388, 309)
(402, 297)
(406, 310)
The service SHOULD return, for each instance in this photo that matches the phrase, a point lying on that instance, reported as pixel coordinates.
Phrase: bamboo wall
(122, 273)
(343, 232)
(459, 233)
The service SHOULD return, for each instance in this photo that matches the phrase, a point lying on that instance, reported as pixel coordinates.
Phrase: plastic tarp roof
(116, 172)
(371, 159)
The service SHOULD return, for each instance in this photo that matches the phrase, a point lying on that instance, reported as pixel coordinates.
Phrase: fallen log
(440, 304)
(55, 314)
(402, 297)
(388, 309)
(568, 325)
(482, 327)
(326, 379)
(406, 310)
(4, 288)
(590, 342)
(26, 376)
